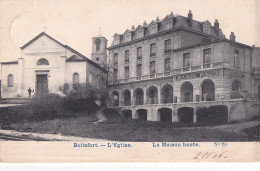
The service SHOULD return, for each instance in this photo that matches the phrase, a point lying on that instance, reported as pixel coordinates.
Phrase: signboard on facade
(198, 75)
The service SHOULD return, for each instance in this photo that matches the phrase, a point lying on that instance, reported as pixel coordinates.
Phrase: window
(186, 59)
(206, 56)
(236, 58)
(139, 70)
(152, 67)
(97, 43)
(75, 78)
(206, 29)
(140, 33)
(168, 25)
(152, 49)
(128, 37)
(127, 72)
(10, 80)
(42, 61)
(139, 53)
(115, 74)
(167, 64)
(153, 29)
(167, 45)
(127, 53)
(116, 41)
(115, 58)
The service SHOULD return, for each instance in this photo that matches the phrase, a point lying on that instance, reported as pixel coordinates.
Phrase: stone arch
(42, 61)
(139, 96)
(165, 114)
(152, 95)
(236, 85)
(167, 94)
(218, 114)
(115, 98)
(126, 94)
(142, 114)
(127, 114)
(187, 92)
(208, 90)
(235, 88)
(213, 114)
(185, 114)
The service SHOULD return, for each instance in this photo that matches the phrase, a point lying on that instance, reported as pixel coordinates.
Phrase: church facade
(46, 64)
(174, 68)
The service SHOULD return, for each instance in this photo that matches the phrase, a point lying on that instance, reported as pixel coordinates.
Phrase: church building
(46, 64)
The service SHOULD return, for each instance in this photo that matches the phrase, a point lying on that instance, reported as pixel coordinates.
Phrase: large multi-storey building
(175, 68)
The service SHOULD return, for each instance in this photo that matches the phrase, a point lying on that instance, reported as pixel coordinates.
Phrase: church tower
(99, 50)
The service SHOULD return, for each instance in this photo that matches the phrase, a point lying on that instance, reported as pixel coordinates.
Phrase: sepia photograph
(122, 78)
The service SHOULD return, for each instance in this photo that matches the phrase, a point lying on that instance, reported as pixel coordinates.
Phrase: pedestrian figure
(29, 91)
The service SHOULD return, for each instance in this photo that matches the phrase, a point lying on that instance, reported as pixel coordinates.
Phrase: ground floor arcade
(214, 111)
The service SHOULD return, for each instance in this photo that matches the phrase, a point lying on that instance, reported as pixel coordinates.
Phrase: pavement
(11, 135)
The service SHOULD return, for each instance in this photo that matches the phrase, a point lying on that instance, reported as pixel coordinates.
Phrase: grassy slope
(133, 130)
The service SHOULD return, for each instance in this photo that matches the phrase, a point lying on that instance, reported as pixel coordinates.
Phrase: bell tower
(99, 50)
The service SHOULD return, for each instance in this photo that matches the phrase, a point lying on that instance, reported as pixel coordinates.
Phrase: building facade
(174, 68)
(45, 65)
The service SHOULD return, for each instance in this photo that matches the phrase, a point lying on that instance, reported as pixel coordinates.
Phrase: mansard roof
(179, 22)
(83, 58)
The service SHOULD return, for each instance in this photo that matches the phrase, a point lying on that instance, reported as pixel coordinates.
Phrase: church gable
(41, 42)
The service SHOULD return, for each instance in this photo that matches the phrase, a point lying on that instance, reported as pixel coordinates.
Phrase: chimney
(157, 19)
(171, 14)
(190, 15)
(190, 18)
(144, 24)
(216, 26)
(133, 28)
(232, 37)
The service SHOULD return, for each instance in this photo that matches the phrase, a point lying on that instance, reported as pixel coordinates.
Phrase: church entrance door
(42, 85)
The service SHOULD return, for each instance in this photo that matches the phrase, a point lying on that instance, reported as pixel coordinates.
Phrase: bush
(46, 107)
(81, 98)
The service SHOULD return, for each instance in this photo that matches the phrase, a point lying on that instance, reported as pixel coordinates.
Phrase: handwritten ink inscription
(211, 155)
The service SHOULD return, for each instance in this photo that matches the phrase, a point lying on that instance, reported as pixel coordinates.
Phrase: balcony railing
(152, 100)
(193, 68)
(138, 102)
(166, 100)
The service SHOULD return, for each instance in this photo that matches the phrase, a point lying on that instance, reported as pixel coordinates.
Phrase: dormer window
(116, 40)
(206, 29)
(128, 37)
(140, 33)
(168, 24)
(153, 29)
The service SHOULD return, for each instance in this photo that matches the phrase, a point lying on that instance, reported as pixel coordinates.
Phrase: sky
(75, 22)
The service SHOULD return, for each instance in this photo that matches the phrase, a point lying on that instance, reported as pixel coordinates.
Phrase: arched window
(42, 61)
(236, 85)
(75, 78)
(10, 80)
(208, 90)
(186, 92)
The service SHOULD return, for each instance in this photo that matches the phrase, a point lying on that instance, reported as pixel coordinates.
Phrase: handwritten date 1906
(213, 155)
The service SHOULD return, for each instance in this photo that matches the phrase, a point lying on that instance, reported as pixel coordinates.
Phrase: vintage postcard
(129, 81)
